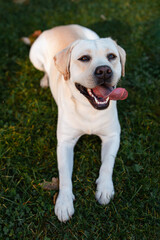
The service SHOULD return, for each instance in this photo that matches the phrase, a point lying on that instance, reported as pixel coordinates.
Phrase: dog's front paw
(105, 191)
(64, 206)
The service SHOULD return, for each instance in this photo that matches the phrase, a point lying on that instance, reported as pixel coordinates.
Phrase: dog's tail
(31, 38)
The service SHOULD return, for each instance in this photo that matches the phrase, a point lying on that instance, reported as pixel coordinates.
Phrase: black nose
(103, 72)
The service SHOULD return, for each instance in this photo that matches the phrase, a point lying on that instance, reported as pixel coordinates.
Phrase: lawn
(28, 117)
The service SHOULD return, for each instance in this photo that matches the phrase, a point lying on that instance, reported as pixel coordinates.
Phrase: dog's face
(93, 67)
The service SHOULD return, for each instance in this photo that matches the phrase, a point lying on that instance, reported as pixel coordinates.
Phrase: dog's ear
(62, 60)
(122, 55)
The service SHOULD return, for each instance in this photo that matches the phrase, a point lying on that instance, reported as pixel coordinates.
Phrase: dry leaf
(50, 185)
(20, 1)
(29, 40)
(103, 17)
(36, 33)
(26, 40)
(55, 198)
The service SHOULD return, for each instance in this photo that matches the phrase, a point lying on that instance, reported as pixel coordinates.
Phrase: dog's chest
(89, 121)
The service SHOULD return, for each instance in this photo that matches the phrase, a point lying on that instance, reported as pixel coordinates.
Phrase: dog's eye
(111, 56)
(85, 58)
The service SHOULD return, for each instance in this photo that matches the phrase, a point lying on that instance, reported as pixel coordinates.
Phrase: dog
(82, 71)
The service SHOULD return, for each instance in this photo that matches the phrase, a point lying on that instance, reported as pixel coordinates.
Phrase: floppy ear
(122, 54)
(62, 61)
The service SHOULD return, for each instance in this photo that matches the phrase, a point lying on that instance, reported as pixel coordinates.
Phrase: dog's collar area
(98, 96)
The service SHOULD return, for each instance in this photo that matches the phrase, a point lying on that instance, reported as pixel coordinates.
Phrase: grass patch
(28, 127)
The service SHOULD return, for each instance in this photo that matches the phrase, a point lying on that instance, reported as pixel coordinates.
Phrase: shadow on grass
(114, 28)
(151, 41)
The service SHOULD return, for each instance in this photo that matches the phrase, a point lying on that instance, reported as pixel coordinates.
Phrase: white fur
(76, 116)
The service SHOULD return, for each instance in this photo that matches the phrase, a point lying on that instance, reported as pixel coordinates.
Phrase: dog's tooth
(107, 100)
(89, 92)
(96, 100)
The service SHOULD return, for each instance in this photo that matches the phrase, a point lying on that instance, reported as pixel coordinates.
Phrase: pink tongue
(116, 94)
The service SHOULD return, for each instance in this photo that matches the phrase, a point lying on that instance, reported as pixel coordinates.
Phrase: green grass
(28, 117)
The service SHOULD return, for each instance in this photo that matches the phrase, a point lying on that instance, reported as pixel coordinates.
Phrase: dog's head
(93, 67)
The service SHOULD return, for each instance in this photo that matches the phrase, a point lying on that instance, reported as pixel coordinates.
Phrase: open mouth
(100, 96)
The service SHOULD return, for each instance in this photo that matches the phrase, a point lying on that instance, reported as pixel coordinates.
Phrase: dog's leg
(64, 205)
(44, 82)
(105, 188)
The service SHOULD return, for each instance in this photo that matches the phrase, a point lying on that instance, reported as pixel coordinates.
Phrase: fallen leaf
(20, 1)
(50, 185)
(103, 17)
(26, 40)
(36, 33)
(31, 38)
(55, 198)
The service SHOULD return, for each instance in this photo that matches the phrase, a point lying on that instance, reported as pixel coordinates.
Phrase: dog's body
(82, 61)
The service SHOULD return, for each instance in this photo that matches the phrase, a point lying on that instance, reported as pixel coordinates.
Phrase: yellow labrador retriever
(82, 71)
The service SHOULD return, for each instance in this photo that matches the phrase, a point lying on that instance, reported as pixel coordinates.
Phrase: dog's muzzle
(100, 96)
